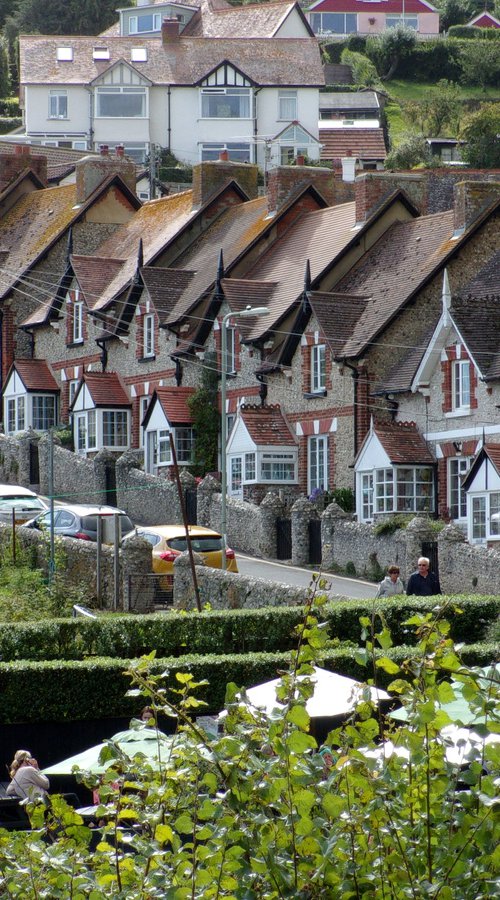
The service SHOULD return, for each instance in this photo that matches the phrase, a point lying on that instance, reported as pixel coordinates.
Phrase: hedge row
(58, 691)
(227, 631)
(471, 32)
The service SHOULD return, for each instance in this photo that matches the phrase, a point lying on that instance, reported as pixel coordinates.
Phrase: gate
(315, 542)
(110, 482)
(430, 549)
(191, 501)
(283, 538)
(34, 465)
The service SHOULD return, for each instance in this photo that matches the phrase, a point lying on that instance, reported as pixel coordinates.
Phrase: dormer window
(141, 24)
(100, 53)
(65, 54)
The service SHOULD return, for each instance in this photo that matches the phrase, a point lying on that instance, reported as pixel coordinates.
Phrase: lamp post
(242, 314)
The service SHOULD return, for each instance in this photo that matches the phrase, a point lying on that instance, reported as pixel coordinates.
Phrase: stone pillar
(43, 461)
(417, 531)
(104, 462)
(329, 518)
(20, 465)
(271, 508)
(451, 577)
(206, 489)
(137, 568)
(302, 513)
(184, 595)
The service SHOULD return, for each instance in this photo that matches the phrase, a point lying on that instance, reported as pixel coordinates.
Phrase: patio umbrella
(459, 709)
(334, 695)
(148, 742)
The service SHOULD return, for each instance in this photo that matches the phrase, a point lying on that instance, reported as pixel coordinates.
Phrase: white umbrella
(334, 695)
(149, 742)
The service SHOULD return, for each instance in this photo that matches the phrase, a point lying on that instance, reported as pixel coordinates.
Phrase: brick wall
(12, 164)
(471, 198)
(209, 177)
(283, 181)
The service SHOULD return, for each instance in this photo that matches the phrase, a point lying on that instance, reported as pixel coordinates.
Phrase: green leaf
(388, 665)
(184, 824)
(384, 638)
(164, 834)
(299, 716)
(334, 805)
(299, 742)
(304, 800)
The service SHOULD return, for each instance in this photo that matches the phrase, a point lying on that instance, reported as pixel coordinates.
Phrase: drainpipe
(1, 351)
(169, 123)
(91, 119)
(355, 375)
(104, 354)
(255, 129)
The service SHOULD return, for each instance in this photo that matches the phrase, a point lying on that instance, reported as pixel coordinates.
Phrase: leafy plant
(206, 418)
(253, 813)
(391, 525)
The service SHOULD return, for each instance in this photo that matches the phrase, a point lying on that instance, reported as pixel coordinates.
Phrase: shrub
(9, 107)
(471, 32)
(363, 71)
(9, 124)
(413, 150)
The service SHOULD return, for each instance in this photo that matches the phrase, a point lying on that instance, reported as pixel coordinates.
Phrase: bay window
(250, 470)
(404, 489)
(16, 409)
(457, 498)
(236, 475)
(278, 467)
(184, 444)
(43, 411)
(115, 428)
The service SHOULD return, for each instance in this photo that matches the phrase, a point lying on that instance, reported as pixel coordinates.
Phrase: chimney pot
(104, 149)
(120, 150)
(223, 156)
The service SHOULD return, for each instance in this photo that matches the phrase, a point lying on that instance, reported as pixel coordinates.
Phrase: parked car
(169, 541)
(79, 520)
(24, 502)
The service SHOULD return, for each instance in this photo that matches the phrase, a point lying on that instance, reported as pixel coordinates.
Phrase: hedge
(471, 32)
(58, 691)
(222, 632)
(9, 124)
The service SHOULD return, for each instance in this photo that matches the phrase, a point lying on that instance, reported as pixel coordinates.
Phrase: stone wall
(147, 499)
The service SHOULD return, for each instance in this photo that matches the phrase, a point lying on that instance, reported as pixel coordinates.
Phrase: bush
(471, 32)
(7, 125)
(363, 71)
(220, 631)
(9, 107)
(413, 150)
(430, 60)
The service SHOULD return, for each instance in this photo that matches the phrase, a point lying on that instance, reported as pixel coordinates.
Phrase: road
(273, 571)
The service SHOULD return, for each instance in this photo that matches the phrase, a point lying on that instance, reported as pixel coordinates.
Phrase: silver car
(79, 520)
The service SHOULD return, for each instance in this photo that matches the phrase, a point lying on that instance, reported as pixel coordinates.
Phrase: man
(423, 583)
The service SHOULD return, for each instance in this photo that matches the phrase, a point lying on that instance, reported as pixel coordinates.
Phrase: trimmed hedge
(471, 32)
(227, 631)
(55, 691)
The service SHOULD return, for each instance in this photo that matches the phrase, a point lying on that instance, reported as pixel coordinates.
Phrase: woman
(27, 780)
(392, 584)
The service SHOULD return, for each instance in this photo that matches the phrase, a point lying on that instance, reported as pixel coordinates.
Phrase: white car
(18, 504)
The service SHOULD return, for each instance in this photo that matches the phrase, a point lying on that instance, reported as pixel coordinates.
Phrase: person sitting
(27, 782)
(391, 584)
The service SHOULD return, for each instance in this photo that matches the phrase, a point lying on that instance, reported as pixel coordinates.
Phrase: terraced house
(364, 361)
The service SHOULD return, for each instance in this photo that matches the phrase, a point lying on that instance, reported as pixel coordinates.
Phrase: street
(286, 574)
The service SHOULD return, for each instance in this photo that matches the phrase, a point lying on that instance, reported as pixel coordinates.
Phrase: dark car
(79, 520)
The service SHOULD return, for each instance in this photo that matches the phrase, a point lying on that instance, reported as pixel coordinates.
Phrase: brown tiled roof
(399, 378)
(173, 402)
(106, 389)
(165, 286)
(267, 425)
(318, 236)
(394, 268)
(487, 451)
(186, 61)
(403, 444)
(478, 322)
(362, 143)
(94, 275)
(36, 375)
(336, 315)
(251, 21)
(487, 281)
(493, 451)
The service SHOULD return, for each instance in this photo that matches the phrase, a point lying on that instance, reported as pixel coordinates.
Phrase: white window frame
(321, 19)
(245, 94)
(15, 414)
(460, 385)
(250, 467)
(236, 475)
(236, 152)
(133, 23)
(115, 429)
(58, 104)
(278, 467)
(230, 350)
(317, 463)
(148, 335)
(318, 368)
(404, 489)
(121, 90)
(85, 431)
(184, 444)
(77, 321)
(46, 417)
(395, 20)
(483, 507)
(143, 406)
(72, 389)
(458, 466)
(287, 106)
(367, 496)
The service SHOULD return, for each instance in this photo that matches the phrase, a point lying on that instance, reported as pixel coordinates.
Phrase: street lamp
(242, 314)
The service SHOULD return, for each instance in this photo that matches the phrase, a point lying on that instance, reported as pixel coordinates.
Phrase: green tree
(482, 134)
(389, 49)
(64, 16)
(480, 63)
(442, 108)
(204, 408)
(364, 72)
(413, 150)
(5, 82)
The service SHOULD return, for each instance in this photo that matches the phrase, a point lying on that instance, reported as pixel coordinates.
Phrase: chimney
(470, 198)
(284, 181)
(120, 150)
(91, 171)
(12, 164)
(348, 167)
(169, 31)
(209, 177)
(223, 156)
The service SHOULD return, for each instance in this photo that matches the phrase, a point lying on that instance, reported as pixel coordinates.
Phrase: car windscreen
(199, 543)
(89, 523)
(21, 502)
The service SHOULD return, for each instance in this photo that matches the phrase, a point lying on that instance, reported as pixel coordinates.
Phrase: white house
(30, 397)
(168, 413)
(482, 486)
(261, 450)
(194, 96)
